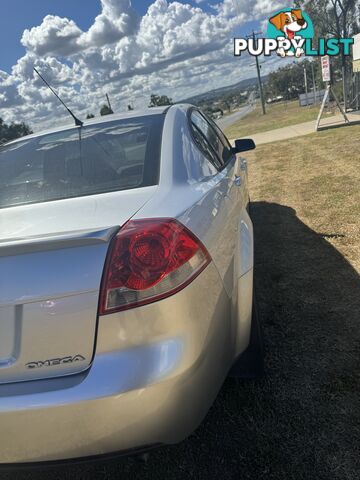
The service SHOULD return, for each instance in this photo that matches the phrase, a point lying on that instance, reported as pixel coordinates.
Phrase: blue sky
(25, 14)
(129, 49)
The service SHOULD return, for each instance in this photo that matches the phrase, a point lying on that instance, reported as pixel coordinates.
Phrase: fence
(311, 98)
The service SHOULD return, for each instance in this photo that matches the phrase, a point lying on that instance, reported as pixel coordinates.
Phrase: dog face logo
(290, 25)
(289, 22)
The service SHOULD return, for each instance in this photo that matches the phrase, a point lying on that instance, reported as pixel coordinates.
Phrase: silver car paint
(156, 369)
(63, 217)
(54, 320)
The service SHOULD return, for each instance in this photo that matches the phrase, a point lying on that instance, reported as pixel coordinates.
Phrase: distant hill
(243, 85)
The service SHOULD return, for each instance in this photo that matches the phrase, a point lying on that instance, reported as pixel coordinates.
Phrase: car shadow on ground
(302, 419)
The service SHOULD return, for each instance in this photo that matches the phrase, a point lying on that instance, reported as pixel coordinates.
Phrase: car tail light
(149, 260)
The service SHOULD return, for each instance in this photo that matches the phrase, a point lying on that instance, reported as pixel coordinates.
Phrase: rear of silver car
(121, 311)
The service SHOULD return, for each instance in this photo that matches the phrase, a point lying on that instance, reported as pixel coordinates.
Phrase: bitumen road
(227, 121)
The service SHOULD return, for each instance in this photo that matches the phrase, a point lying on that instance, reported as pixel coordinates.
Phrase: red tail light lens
(147, 261)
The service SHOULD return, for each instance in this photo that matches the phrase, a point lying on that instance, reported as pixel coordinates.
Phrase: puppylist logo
(290, 33)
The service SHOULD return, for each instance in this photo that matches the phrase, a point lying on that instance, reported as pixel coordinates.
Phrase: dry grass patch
(278, 115)
(318, 176)
(306, 213)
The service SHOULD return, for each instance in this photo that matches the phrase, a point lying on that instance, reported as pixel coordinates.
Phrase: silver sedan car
(126, 286)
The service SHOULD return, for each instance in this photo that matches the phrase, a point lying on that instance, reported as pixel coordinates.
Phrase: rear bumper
(156, 372)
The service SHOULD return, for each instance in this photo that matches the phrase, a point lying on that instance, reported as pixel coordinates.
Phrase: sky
(128, 49)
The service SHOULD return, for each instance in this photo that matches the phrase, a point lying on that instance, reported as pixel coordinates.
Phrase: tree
(335, 18)
(13, 131)
(288, 81)
(105, 110)
(160, 100)
(225, 105)
(90, 115)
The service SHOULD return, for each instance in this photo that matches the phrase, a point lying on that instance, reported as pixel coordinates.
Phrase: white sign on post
(325, 68)
(356, 53)
(356, 47)
(326, 75)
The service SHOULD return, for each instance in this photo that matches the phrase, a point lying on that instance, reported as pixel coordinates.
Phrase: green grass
(278, 115)
(319, 175)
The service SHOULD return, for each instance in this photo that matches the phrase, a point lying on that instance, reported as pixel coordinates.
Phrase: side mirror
(244, 145)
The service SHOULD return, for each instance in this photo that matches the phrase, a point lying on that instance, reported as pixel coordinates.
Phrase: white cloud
(61, 36)
(250, 10)
(55, 36)
(175, 48)
(116, 20)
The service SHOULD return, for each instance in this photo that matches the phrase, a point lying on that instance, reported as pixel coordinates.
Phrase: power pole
(314, 83)
(306, 87)
(343, 70)
(108, 101)
(253, 36)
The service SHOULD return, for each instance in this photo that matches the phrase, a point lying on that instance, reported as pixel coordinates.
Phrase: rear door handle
(237, 181)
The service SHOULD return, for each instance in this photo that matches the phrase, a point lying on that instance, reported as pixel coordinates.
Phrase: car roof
(99, 121)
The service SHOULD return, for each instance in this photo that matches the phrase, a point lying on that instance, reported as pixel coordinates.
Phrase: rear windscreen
(107, 157)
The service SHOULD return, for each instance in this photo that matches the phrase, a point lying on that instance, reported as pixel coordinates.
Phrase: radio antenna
(78, 122)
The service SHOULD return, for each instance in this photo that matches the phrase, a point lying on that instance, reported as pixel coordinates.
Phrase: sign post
(356, 68)
(325, 69)
(326, 76)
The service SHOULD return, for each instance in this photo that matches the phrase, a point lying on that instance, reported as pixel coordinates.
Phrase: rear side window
(214, 138)
(111, 156)
(200, 131)
(222, 137)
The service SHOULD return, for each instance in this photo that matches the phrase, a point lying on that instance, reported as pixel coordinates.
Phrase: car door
(230, 187)
(240, 173)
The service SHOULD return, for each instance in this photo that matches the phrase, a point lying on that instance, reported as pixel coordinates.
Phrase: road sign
(356, 47)
(356, 53)
(325, 68)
